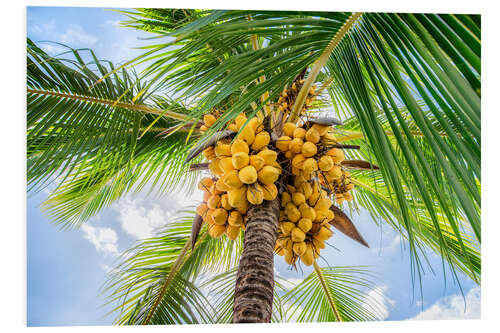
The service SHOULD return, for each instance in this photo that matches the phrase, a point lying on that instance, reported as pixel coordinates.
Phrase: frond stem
(328, 294)
(134, 107)
(319, 63)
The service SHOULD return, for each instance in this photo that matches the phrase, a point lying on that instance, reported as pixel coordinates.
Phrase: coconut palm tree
(406, 87)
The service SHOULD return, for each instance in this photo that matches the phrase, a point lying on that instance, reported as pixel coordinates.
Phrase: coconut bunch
(289, 94)
(244, 171)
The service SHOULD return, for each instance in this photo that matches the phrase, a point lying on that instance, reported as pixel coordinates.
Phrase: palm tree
(406, 86)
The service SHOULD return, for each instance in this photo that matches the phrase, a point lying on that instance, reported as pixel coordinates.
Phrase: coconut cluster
(318, 178)
(289, 94)
(245, 172)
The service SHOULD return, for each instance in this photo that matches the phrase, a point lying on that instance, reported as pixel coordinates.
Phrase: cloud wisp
(103, 238)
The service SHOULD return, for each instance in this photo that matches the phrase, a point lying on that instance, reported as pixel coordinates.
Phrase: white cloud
(112, 23)
(43, 28)
(76, 34)
(378, 302)
(104, 239)
(453, 307)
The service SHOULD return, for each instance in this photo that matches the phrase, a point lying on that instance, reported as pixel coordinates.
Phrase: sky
(67, 269)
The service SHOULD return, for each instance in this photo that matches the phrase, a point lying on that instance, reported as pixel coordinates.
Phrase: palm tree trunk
(253, 294)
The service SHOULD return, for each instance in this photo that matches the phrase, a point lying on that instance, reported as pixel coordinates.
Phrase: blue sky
(66, 269)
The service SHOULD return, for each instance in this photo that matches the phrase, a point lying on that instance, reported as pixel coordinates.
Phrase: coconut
(205, 184)
(209, 153)
(283, 143)
(248, 175)
(232, 232)
(243, 207)
(298, 198)
(202, 209)
(239, 146)
(257, 162)
(268, 175)
(295, 145)
(307, 212)
(292, 212)
(232, 180)
(268, 155)
(240, 120)
(270, 191)
(232, 127)
(219, 216)
(236, 196)
(322, 129)
(261, 140)
(298, 161)
(335, 172)
(310, 165)
(235, 219)
(307, 257)
(224, 202)
(325, 163)
(297, 235)
(323, 234)
(323, 204)
(289, 257)
(203, 128)
(226, 164)
(208, 217)
(287, 227)
(289, 154)
(256, 124)
(299, 248)
(213, 202)
(222, 149)
(209, 120)
(336, 154)
(305, 224)
(306, 188)
(288, 129)
(309, 149)
(221, 186)
(240, 160)
(216, 230)
(206, 195)
(312, 135)
(318, 244)
(247, 134)
(255, 194)
(215, 168)
(285, 198)
(299, 132)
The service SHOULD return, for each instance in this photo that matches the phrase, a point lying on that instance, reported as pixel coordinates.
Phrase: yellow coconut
(219, 216)
(349, 186)
(313, 199)
(312, 135)
(307, 257)
(240, 120)
(305, 224)
(256, 124)
(209, 153)
(215, 167)
(299, 248)
(205, 184)
(270, 191)
(330, 215)
(226, 164)
(283, 142)
(285, 198)
(279, 250)
(261, 140)
(268, 175)
(298, 161)
(224, 202)
(309, 149)
(306, 188)
(323, 234)
(208, 217)
(323, 204)
(296, 145)
(255, 194)
(310, 165)
(232, 179)
(299, 132)
(202, 209)
(221, 186)
(292, 212)
(232, 127)
(240, 160)
(213, 202)
(268, 155)
(289, 154)
(235, 219)
(257, 162)
(287, 227)
(216, 230)
(232, 232)
(328, 138)
(336, 154)
(322, 129)
(307, 212)
(222, 149)
(325, 163)
(239, 146)
(298, 198)
(289, 257)
(297, 235)
(318, 244)
(290, 188)
(209, 120)
(243, 207)
(288, 129)
(203, 128)
(248, 175)
(236, 197)
(247, 134)
(347, 196)
(206, 195)
(335, 172)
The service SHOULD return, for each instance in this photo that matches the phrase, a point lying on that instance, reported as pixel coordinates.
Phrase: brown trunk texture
(253, 294)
